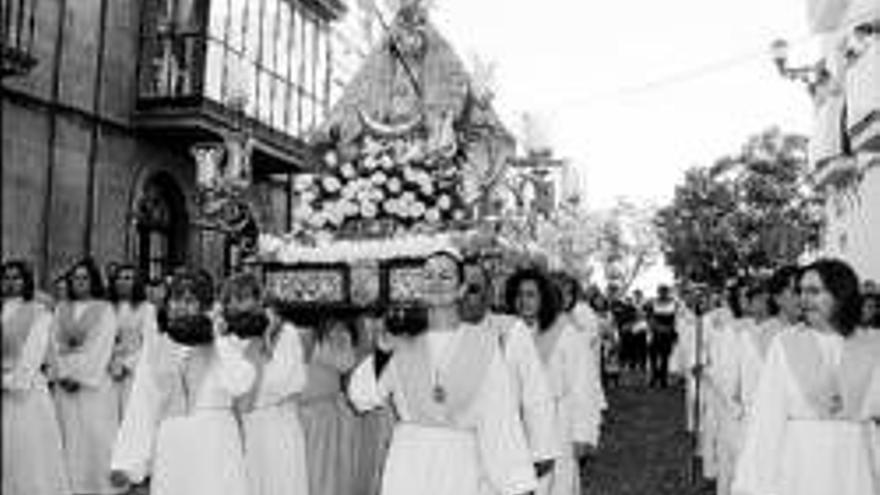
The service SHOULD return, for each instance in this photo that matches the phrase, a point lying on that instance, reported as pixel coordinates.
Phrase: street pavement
(645, 449)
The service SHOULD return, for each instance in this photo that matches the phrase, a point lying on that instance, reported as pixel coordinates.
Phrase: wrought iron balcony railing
(17, 37)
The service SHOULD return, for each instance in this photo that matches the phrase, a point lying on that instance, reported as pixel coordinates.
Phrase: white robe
(274, 444)
(179, 425)
(137, 329)
(586, 320)
(715, 324)
(795, 445)
(477, 448)
(33, 457)
(89, 417)
(578, 406)
(530, 385)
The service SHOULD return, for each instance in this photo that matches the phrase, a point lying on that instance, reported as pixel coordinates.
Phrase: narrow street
(644, 449)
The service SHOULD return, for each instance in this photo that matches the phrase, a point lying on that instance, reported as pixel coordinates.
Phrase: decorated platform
(406, 163)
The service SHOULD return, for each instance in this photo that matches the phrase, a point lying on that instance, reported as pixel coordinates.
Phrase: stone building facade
(98, 132)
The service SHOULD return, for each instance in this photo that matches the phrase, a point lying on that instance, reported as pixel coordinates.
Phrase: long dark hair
(842, 282)
(138, 290)
(782, 279)
(96, 281)
(549, 302)
(27, 275)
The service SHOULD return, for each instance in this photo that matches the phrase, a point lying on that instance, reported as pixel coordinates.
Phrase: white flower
(444, 202)
(458, 215)
(427, 188)
(309, 196)
(394, 185)
(408, 197)
(419, 209)
(369, 210)
(331, 184)
(331, 159)
(386, 162)
(348, 171)
(303, 182)
(379, 178)
(432, 215)
(371, 162)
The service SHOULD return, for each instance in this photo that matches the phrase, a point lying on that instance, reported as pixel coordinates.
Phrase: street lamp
(812, 75)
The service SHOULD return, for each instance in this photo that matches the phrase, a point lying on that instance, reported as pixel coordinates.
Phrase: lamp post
(814, 75)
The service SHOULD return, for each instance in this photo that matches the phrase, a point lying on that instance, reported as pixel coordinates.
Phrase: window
(161, 226)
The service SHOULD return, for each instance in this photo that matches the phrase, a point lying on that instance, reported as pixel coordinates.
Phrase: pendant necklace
(438, 391)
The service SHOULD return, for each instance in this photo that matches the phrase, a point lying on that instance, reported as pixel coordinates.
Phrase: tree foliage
(748, 212)
(628, 242)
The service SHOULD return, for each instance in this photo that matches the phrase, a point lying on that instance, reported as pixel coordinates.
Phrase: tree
(628, 242)
(747, 212)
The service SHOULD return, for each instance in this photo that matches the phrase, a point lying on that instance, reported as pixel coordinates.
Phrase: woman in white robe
(459, 432)
(85, 394)
(531, 386)
(566, 355)
(180, 428)
(808, 434)
(136, 320)
(274, 444)
(33, 458)
(584, 319)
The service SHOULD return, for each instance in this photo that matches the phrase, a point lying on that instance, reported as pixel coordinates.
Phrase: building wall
(68, 141)
(853, 231)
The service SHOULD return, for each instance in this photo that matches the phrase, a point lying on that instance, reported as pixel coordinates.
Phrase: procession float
(407, 162)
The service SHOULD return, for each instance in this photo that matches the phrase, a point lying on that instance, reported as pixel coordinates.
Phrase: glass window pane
(292, 110)
(306, 54)
(214, 71)
(282, 55)
(279, 110)
(264, 109)
(252, 30)
(320, 62)
(269, 19)
(296, 52)
(308, 109)
(236, 23)
(217, 19)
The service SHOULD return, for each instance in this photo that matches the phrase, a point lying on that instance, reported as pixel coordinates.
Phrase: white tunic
(137, 329)
(469, 443)
(530, 385)
(274, 445)
(796, 444)
(179, 426)
(88, 416)
(578, 407)
(33, 459)
(586, 320)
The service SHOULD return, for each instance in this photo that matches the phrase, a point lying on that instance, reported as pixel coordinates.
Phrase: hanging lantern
(208, 157)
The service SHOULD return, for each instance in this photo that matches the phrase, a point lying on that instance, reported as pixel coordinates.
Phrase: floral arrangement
(389, 185)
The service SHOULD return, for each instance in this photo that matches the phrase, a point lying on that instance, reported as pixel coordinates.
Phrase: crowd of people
(194, 387)
(783, 382)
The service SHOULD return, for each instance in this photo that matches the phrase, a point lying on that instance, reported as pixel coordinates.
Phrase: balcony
(209, 66)
(17, 39)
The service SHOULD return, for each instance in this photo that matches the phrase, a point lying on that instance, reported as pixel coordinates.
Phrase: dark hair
(198, 282)
(406, 319)
(781, 279)
(96, 282)
(549, 304)
(733, 297)
(138, 291)
(241, 284)
(27, 275)
(842, 282)
(875, 322)
(566, 282)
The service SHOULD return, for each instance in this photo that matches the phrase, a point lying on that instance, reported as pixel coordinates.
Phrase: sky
(634, 92)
